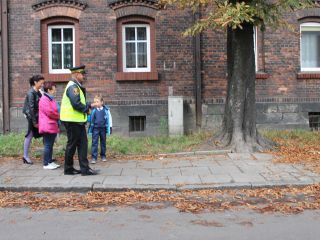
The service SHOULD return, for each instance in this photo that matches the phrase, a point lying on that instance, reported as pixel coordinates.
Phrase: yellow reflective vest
(67, 112)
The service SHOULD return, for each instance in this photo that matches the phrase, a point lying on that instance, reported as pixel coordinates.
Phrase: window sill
(136, 76)
(65, 77)
(308, 75)
(262, 75)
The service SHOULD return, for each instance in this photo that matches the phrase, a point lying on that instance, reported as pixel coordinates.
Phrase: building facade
(136, 57)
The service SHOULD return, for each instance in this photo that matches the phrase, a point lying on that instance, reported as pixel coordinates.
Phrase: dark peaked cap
(78, 69)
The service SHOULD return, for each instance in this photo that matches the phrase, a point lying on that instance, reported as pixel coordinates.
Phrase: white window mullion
(62, 48)
(136, 44)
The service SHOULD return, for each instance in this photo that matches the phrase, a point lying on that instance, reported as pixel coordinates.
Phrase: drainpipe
(5, 66)
(197, 62)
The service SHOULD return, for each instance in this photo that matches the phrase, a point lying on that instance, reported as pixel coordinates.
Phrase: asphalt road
(127, 223)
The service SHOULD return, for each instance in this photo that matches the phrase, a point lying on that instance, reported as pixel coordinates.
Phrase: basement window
(137, 123)
(314, 121)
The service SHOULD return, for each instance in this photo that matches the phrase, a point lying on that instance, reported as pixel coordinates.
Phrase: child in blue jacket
(100, 125)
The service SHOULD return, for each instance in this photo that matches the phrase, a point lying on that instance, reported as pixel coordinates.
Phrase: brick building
(136, 58)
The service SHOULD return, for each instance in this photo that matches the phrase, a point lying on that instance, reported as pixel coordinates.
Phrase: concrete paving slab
(164, 172)
(216, 178)
(244, 178)
(110, 171)
(240, 156)
(191, 171)
(120, 180)
(183, 180)
(124, 164)
(152, 180)
(136, 172)
(20, 172)
(59, 180)
(263, 156)
(149, 164)
(205, 163)
(87, 179)
(176, 164)
(17, 180)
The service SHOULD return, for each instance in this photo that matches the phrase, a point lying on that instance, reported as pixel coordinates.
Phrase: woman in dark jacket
(31, 112)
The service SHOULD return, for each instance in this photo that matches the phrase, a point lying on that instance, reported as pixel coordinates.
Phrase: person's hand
(92, 105)
(36, 125)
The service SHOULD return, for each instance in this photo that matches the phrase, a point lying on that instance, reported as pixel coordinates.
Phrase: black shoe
(26, 161)
(72, 172)
(89, 172)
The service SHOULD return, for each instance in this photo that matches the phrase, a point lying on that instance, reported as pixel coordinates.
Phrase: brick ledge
(136, 76)
(308, 75)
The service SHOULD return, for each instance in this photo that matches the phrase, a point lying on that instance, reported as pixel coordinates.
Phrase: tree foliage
(235, 13)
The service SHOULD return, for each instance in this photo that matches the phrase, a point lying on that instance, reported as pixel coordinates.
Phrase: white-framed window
(255, 44)
(136, 47)
(310, 46)
(61, 46)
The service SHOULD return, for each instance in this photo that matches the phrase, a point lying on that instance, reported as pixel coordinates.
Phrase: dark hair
(35, 78)
(48, 85)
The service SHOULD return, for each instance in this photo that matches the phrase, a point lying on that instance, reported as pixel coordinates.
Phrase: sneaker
(50, 167)
(93, 161)
(54, 164)
(103, 159)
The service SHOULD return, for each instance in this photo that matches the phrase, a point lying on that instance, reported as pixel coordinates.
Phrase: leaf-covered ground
(283, 200)
(298, 147)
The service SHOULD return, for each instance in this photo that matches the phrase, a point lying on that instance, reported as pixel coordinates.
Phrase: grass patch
(11, 145)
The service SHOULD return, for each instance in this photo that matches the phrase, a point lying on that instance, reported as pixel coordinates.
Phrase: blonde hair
(98, 97)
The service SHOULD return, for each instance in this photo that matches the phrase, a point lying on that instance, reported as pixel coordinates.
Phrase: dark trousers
(96, 134)
(48, 141)
(77, 140)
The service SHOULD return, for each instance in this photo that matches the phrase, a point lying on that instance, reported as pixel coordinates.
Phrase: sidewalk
(168, 172)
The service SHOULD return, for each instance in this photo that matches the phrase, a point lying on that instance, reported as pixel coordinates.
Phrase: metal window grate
(314, 121)
(137, 123)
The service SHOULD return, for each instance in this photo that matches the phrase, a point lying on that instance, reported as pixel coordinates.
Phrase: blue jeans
(96, 134)
(48, 141)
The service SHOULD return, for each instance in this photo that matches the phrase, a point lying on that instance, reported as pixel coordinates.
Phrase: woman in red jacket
(48, 123)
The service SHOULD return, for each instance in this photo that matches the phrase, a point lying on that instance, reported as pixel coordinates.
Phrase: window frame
(124, 41)
(152, 74)
(62, 42)
(307, 24)
(255, 47)
(51, 21)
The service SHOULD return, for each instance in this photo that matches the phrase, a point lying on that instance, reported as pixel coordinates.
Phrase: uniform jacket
(31, 105)
(48, 115)
(75, 98)
(108, 117)
(74, 107)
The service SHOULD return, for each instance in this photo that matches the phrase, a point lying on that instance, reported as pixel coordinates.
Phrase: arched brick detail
(124, 8)
(59, 11)
(308, 13)
(135, 10)
(43, 4)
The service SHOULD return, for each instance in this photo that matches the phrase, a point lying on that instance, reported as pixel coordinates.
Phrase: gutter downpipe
(198, 80)
(5, 67)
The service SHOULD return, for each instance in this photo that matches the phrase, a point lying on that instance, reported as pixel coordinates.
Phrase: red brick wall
(174, 57)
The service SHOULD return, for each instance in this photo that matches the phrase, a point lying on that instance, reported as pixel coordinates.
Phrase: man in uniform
(73, 114)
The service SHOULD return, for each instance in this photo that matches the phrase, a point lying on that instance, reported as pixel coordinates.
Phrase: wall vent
(314, 121)
(137, 123)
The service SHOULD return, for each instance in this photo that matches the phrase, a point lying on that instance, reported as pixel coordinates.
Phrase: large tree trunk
(239, 130)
